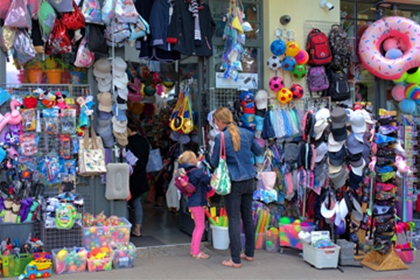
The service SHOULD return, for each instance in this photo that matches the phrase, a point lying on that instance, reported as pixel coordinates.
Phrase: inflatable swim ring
(370, 54)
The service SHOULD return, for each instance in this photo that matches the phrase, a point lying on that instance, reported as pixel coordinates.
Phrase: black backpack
(340, 48)
(339, 89)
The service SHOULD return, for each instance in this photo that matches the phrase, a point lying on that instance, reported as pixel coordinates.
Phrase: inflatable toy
(276, 83)
(284, 96)
(405, 31)
(302, 57)
(274, 62)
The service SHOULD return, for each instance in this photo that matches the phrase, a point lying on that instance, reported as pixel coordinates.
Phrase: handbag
(74, 20)
(220, 180)
(267, 178)
(155, 161)
(91, 155)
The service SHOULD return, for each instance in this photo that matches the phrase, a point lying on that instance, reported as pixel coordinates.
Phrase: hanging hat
(260, 99)
(321, 151)
(337, 158)
(119, 66)
(105, 101)
(334, 146)
(102, 68)
(339, 134)
(338, 117)
(357, 122)
(353, 145)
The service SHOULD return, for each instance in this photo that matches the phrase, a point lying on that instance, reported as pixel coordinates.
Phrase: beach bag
(18, 15)
(183, 184)
(220, 180)
(91, 155)
(74, 20)
(62, 6)
(91, 10)
(96, 40)
(46, 19)
(59, 40)
(125, 11)
(24, 48)
(266, 177)
(139, 29)
(84, 57)
(108, 7)
(340, 48)
(155, 161)
(318, 48)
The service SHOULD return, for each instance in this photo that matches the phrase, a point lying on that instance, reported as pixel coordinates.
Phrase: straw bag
(91, 155)
(220, 180)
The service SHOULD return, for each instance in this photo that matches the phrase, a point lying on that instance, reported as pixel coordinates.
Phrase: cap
(353, 145)
(104, 115)
(119, 126)
(339, 178)
(121, 81)
(333, 169)
(359, 137)
(359, 170)
(123, 93)
(105, 101)
(107, 138)
(334, 146)
(322, 116)
(102, 68)
(121, 138)
(338, 117)
(339, 134)
(118, 113)
(337, 158)
(357, 122)
(321, 150)
(119, 66)
(354, 180)
(261, 99)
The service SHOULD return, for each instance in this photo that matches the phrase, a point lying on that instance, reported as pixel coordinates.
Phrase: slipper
(230, 263)
(201, 255)
(245, 257)
(135, 235)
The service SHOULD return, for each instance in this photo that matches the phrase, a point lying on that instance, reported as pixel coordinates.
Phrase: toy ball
(296, 222)
(413, 76)
(299, 71)
(168, 82)
(398, 93)
(289, 63)
(284, 96)
(149, 90)
(393, 54)
(247, 96)
(407, 106)
(278, 47)
(284, 220)
(389, 44)
(412, 92)
(297, 91)
(274, 62)
(402, 79)
(62, 255)
(292, 48)
(302, 57)
(276, 83)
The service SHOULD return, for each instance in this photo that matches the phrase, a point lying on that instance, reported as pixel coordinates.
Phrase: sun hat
(104, 87)
(260, 99)
(321, 150)
(121, 138)
(337, 158)
(102, 129)
(107, 138)
(353, 145)
(119, 66)
(328, 206)
(119, 126)
(102, 68)
(121, 81)
(334, 146)
(342, 211)
(338, 117)
(105, 101)
(357, 122)
(339, 134)
(339, 178)
(119, 113)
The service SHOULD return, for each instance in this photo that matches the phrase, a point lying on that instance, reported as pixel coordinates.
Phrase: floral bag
(220, 180)
(91, 155)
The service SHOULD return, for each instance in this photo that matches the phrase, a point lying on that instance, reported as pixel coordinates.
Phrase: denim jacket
(239, 163)
(201, 182)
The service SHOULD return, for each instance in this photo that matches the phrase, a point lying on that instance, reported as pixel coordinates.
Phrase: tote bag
(91, 155)
(155, 161)
(220, 180)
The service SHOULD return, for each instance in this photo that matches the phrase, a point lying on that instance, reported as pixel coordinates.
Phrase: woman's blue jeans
(138, 210)
(239, 205)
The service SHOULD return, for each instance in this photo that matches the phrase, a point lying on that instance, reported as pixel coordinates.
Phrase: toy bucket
(35, 76)
(54, 76)
(220, 237)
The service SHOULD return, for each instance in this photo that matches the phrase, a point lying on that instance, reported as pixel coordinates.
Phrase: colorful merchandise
(70, 260)
(124, 255)
(100, 259)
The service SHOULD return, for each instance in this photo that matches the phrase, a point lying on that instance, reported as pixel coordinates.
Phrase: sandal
(201, 255)
(245, 257)
(230, 263)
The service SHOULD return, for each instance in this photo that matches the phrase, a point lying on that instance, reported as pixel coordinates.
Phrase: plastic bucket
(35, 76)
(54, 76)
(220, 237)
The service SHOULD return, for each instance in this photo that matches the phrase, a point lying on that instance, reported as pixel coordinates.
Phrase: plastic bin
(101, 236)
(220, 237)
(124, 256)
(17, 231)
(321, 258)
(272, 240)
(407, 255)
(71, 262)
(289, 235)
(13, 266)
(260, 241)
(54, 238)
(99, 265)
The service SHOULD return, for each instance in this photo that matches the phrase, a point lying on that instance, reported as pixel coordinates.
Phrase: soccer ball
(299, 72)
(276, 83)
(284, 95)
(297, 91)
(288, 63)
(274, 62)
(278, 47)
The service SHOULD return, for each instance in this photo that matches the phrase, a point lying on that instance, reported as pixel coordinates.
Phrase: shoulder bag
(220, 180)
(91, 155)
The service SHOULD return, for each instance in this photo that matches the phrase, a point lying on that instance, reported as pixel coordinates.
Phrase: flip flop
(230, 263)
(245, 257)
(201, 255)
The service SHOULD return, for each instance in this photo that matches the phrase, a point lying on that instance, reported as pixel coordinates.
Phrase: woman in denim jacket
(240, 145)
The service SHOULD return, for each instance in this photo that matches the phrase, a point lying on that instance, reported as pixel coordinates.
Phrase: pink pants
(199, 220)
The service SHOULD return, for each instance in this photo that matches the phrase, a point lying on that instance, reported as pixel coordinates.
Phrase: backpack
(183, 185)
(318, 48)
(317, 79)
(339, 89)
(340, 48)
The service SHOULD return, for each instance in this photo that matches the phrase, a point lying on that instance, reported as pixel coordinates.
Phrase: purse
(74, 20)
(155, 161)
(220, 180)
(267, 179)
(91, 155)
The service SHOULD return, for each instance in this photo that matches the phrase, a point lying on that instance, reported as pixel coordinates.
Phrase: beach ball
(278, 47)
(393, 53)
(276, 83)
(407, 106)
(389, 44)
(398, 92)
(402, 79)
(274, 62)
(299, 71)
(413, 76)
(302, 57)
(412, 92)
(297, 91)
(284, 95)
(292, 48)
(289, 63)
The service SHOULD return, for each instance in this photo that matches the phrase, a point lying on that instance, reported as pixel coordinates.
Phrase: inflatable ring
(370, 54)
(65, 216)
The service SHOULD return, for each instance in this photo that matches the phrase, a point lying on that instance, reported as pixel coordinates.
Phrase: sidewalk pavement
(174, 262)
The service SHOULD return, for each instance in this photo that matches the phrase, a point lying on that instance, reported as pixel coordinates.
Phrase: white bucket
(220, 237)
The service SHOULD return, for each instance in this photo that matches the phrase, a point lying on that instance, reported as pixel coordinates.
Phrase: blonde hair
(224, 115)
(186, 157)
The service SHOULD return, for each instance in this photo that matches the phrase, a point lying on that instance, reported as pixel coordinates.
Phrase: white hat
(261, 99)
(359, 170)
(322, 116)
(319, 129)
(105, 101)
(357, 122)
(357, 209)
(333, 169)
(321, 150)
(104, 84)
(119, 66)
(334, 146)
(123, 93)
(329, 212)
(121, 81)
(341, 213)
(102, 68)
(119, 126)
(367, 115)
